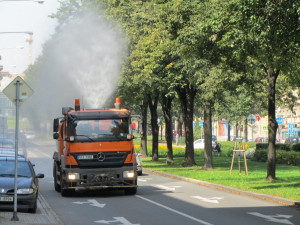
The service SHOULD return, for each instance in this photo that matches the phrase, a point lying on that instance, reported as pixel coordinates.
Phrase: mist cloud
(83, 60)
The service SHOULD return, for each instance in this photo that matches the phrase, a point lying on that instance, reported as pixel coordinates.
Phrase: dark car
(28, 184)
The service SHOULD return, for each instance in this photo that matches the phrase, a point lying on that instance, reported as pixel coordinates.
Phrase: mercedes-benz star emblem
(101, 157)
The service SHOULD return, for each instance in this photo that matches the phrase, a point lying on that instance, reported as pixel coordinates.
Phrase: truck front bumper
(75, 178)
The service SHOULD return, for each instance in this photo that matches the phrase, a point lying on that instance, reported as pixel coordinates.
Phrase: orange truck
(94, 150)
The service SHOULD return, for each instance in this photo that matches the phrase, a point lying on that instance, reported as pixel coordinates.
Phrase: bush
(261, 146)
(282, 157)
(260, 156)
(285, 147)
(295, 147)
(289, 158)
(264, 146)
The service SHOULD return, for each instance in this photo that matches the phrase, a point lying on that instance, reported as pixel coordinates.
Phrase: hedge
(296, 147)
(282, 157)
(285, 147)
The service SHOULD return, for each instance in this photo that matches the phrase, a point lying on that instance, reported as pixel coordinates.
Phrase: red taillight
(77, 104)
(118, 103)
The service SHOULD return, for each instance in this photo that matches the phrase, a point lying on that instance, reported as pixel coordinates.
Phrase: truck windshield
(103, 129)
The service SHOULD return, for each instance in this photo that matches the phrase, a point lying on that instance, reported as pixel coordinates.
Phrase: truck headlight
(73, 176)
(128, 174)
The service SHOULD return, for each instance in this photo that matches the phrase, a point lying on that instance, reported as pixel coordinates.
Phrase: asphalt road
(159, 201)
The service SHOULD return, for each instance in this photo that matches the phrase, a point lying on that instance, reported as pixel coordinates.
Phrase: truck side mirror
(55, 135)
(55, 125)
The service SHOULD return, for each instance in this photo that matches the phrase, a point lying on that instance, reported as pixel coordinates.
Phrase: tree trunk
(144, 110)
(272, 124)
(228, 131)
(246, 130)
(186, 96)
(207, 137)
(154, 125)
(166, 103)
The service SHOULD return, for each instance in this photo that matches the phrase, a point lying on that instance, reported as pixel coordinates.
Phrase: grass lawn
(287, 184)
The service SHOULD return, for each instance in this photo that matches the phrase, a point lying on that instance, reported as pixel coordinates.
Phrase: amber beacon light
(77, 104)
(118, 103)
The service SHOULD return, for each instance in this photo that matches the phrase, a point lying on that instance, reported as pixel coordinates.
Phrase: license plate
(6, 199)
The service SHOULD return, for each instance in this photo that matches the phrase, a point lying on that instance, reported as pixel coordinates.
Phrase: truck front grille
(100, 159)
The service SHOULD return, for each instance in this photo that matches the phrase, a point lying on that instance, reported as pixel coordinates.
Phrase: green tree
(268, 32)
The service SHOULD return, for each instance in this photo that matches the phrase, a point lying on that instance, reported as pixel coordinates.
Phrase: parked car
(200, 144)
(139, 164)
(291, 140)
(29, 134)
(28, 184)
(261, 139)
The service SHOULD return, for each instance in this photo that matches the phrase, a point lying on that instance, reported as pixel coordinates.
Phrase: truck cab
(94, 150)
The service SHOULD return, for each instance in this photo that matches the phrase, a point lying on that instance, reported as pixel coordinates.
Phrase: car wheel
(33, 209)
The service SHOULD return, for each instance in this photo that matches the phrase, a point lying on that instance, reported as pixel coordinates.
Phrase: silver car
(139, 164)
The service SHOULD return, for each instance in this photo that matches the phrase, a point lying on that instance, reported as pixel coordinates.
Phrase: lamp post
(38, 1)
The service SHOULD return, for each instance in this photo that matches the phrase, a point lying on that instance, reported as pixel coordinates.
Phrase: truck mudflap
(125, 177)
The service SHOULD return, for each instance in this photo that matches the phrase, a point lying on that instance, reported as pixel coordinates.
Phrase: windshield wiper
(82, 135)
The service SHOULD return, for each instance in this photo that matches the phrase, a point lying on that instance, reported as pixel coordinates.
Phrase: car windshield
(108, 128)
(7, 168)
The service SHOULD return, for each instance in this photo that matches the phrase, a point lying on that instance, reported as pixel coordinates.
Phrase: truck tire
(56, 185)
(130, 191)
(65, 192)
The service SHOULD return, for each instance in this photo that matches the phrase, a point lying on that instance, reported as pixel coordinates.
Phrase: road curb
(48, 212)
(269, 198)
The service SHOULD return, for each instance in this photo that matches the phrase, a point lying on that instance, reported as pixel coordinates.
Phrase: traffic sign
(291, 128)
(251, 119)
(201, 124)
(25, 90)
(279, 120)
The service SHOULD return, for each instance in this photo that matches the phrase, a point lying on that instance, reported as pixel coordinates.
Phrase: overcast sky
(20, 16)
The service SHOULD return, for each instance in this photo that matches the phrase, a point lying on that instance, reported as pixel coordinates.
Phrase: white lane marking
(143, 179)
(173, 210)
(91, 202)
(272, 218)
(210, 200)
(165, 188)
(122, 221)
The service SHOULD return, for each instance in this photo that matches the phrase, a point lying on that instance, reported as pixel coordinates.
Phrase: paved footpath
(43, 216)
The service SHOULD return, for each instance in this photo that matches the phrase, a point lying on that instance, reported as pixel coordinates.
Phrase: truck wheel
(56, 185)
(65, 192)
(130, 191)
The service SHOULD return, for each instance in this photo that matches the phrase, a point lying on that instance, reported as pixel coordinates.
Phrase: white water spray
(83, 60)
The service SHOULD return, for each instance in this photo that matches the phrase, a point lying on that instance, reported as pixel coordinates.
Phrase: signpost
(13, 91)
(291, 128)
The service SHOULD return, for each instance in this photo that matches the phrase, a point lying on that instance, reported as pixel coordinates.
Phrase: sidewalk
(43, 216)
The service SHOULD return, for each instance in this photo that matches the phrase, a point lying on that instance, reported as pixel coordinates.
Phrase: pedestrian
(218, 147)
(177, 139)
